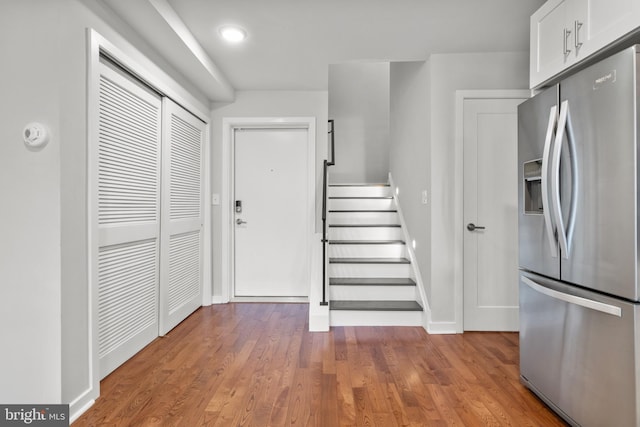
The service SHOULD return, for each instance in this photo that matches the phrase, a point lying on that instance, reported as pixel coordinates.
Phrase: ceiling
(291, 43)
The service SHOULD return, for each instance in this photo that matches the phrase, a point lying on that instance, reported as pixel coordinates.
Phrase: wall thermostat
(35, 135)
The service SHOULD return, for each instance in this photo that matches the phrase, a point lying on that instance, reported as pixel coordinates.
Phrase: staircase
(371, 280)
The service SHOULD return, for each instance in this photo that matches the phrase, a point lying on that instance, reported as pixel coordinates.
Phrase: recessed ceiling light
(232, 34)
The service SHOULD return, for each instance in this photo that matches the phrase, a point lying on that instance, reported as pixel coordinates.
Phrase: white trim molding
(461, 96)
(229, 124)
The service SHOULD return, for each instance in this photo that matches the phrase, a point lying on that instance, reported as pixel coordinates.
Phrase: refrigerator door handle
(546, 209)
(572, 299)
(563, 233)
(574, 182)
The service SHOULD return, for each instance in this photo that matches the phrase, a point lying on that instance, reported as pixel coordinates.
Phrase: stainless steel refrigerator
(578, 234)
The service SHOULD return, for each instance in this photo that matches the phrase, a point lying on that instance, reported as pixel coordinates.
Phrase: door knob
(240, 222)
(471, 227)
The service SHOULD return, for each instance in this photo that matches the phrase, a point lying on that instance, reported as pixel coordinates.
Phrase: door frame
(229, 125)
(458, 246)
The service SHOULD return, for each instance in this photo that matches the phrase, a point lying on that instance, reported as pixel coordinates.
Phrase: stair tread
(361, 197)
(367, 242)
(369, 261)
(376, 305)
(363, 210)
(365, 225)
(359, 185)
(371, 281)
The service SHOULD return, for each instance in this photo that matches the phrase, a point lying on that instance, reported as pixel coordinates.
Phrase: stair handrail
(325, 173)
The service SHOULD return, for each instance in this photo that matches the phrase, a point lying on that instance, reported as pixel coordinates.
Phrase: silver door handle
(546, 202)
(472, 227)
(556, 207)
(567, 34)
(240, 222)
(572, 299)
(577, 26)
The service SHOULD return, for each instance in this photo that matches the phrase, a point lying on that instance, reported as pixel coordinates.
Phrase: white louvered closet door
(128, 216)
(182, 215)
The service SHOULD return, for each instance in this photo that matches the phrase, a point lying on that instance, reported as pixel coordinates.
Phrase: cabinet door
(565, 32)
(548, 25)
(605, 21)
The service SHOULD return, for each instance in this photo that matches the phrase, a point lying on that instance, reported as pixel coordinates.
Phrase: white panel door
(272, 229)
(128, 190)
(490, 201)
(182, 215)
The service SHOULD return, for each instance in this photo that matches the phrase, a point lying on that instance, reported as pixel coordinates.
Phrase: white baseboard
(75, 413)
(441, 328)
(217, 299)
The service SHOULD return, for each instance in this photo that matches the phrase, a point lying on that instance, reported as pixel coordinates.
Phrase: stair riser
(375, 318)
(361, 204)
(368, 251)
(359, 191)
(363, 218)
(369, 270)
(372, 293)
(365, 233)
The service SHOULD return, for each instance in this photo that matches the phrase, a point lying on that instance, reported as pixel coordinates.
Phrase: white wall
(262, 104)
(422, 157)
(30, 252)
(409, 153)
(43, 257)
(451, 72)
(359, 104)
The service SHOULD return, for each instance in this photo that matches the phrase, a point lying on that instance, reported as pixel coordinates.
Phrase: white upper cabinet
(564, 32)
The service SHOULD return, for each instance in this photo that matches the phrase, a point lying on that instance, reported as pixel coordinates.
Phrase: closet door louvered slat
(129, 142)
(182, 213)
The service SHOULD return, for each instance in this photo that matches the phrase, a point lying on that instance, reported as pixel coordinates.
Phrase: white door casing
(271, 238)
(229, 125)
(487, 130)
(181, 242)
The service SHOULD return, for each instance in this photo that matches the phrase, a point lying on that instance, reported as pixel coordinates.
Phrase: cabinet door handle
(567, 34)
(577, 26)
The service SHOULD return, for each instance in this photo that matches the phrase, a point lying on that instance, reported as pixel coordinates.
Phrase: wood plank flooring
(251, 364)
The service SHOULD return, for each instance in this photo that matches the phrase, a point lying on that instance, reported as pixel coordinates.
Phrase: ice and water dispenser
(533, 187)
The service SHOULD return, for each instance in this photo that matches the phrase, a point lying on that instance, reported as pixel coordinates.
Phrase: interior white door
(271, 220)
(490, 205)
(127, 212)
(181, 215)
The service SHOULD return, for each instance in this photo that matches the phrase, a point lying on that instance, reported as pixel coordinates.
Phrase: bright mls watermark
(34, 415)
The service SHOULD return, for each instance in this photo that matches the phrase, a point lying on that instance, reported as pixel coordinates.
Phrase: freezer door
(538, 249)
(600, 108)
(578, 353)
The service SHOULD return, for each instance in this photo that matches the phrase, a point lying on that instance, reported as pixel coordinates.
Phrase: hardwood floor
(250, 364)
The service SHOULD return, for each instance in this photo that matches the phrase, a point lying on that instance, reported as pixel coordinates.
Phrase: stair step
(374, 232)
(360, 197)
(369, 261)
(371, 281)
(375, 305)
(367, 242)
(354, 217)
(365, 225)
(361, 203)
(346, 190)
(361, 210)
(367, 249)
(360, 185)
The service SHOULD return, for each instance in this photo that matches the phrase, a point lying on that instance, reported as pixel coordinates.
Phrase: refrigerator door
(599, 104)
(538, 249)
(577, 352)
